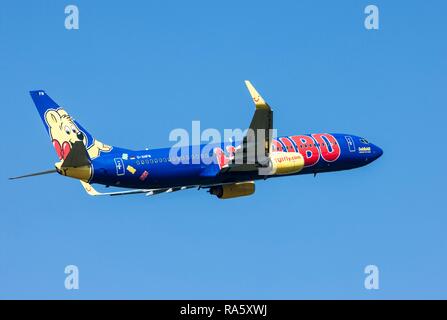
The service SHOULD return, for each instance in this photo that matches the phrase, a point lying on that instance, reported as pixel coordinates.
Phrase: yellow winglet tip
(257, 98)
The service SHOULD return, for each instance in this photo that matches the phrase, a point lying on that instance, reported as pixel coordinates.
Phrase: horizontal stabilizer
(34, 174)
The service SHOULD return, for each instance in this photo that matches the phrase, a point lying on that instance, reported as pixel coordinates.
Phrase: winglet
(257, 99)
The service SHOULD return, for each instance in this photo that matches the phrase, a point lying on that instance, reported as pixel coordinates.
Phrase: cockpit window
(363, 140)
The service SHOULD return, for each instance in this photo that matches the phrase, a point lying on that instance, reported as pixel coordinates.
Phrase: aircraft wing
(256, 145)
(149, 192)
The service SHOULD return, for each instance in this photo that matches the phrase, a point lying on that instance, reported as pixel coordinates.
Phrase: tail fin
(64, 131)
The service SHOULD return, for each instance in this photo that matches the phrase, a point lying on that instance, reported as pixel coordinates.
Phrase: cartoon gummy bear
(64, 133)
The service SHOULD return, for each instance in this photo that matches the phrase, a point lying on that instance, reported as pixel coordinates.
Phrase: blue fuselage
(196, 165)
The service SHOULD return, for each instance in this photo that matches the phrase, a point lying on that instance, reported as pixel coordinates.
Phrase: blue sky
(136, 70)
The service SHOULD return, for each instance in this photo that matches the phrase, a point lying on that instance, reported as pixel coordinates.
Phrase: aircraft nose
(377, 151)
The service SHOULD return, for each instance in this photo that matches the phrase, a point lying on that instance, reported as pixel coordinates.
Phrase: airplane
(226, 169)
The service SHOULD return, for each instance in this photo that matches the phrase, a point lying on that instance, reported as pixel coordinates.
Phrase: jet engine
(234, 190)
(285, 163)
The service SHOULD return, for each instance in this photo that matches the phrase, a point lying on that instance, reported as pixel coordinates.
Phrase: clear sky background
(136, 70)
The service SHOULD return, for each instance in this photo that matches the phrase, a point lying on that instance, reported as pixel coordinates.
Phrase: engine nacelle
(234, 190)
(285, 163)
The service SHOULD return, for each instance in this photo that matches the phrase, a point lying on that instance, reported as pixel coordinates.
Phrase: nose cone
(377, 151)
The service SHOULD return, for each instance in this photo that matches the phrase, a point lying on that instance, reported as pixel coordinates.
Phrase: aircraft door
(351, 144)
(119, 166)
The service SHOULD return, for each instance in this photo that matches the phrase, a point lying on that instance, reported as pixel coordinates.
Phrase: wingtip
(248, 84)
(257, 98)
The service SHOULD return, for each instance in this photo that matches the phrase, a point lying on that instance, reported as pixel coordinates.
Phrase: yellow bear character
(96, 148)
(64, 133)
